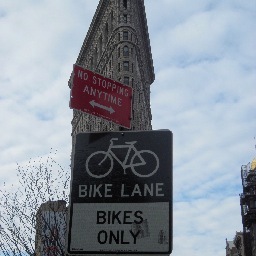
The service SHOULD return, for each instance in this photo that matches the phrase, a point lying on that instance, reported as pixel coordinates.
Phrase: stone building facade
(51, 228)
(239, 243)
(231, 250)
(248, 207)
(244, 243)
(117, 46)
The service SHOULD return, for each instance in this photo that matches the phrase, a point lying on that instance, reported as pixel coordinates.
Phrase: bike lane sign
(121, 193)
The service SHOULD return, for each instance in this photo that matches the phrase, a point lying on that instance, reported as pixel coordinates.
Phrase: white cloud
(205, 222)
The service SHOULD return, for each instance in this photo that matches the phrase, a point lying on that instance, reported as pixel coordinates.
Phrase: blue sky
(204, 57)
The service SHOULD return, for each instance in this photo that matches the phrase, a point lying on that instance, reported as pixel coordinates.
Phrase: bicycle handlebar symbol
(143, 163)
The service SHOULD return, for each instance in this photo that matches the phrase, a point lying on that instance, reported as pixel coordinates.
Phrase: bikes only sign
(121, 194)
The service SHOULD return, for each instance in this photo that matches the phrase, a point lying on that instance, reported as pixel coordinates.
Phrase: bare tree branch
(41, 180)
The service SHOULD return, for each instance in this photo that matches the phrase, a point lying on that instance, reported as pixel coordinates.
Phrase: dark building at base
(248, 207)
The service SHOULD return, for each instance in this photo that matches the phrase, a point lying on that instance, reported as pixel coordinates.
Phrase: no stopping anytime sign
(121, 195)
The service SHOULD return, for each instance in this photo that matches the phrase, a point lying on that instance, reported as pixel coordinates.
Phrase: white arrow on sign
(95, 104)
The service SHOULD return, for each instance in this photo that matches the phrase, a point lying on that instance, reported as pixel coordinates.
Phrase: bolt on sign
(121, 193)
(100, 96)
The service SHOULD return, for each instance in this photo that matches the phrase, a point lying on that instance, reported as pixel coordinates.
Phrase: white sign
(120, 227)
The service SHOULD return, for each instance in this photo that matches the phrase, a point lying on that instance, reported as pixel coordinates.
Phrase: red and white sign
(100, 96)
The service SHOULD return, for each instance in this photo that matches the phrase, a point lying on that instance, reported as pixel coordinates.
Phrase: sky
(204, 92)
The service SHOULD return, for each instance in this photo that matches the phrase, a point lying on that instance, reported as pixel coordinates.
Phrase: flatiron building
(117, 46)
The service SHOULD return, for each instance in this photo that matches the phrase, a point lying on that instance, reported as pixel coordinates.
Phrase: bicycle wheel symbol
(99, 164)
(148, 166)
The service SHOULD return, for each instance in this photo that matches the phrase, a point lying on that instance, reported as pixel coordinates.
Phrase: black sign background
(160, 142)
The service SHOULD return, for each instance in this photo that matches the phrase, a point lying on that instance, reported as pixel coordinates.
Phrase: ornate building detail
(117, 46)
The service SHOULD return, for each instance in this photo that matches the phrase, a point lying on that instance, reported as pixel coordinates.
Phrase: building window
(119, 67)
(96, 56)
(125, 35)
(125, 4)
(106, 33)
(119, 52)
(91, 63)
(125, 18)
(100, 45)
(126, 65)
(111, 21)
(132, 67)
(119, 37)
(126, 51)
(126, 80)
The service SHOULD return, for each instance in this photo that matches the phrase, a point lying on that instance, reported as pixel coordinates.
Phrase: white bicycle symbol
(143, 163)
